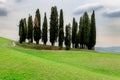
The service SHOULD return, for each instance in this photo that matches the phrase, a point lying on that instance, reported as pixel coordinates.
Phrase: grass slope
(17, 63)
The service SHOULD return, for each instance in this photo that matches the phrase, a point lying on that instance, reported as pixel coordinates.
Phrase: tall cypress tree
(30, 29)
(21, 31)
(92, 35)
(44, 30)
(25, 29)
(61, 31)
(86, 30)
(53, 25)
(68, 37)
(39, 23)
(76, 35)
(77, 40)
(74, 32)
(80, 33)
(37, 30)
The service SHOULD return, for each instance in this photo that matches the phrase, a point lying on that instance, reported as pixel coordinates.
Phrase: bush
(67, 47)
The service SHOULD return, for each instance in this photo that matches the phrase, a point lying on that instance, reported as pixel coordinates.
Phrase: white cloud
(7, 6)
(2, 1)
(88, 8)
(3, 8)
(112, 13)
(17, 9)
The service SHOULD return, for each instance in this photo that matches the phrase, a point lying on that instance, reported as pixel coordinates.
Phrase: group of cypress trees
(32, 30)
(82, 35)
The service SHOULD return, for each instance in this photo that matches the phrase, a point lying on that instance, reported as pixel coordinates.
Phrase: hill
(18, 63)
(108, 49)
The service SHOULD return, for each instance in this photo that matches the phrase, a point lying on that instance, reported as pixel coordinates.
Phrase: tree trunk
(37, 42)
(52, 44)
(73, 45)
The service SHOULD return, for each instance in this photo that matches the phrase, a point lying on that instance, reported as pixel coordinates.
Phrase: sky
(107, 16)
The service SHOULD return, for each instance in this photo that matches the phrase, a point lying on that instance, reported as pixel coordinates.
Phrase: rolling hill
(18, 63)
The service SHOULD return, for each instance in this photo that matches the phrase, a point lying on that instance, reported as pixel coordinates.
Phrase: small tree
(44, 30)
(61, 31)
(68, 37)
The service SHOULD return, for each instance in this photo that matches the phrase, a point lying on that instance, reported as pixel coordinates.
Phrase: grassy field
(18, 63)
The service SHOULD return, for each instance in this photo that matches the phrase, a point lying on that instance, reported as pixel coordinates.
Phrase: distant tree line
(81, 35)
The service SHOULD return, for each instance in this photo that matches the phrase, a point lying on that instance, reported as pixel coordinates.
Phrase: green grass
(42, 47)
(18, 63)
(38, 47)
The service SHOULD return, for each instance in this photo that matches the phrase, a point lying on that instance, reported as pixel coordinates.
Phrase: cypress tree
(77, 40)
(92, 35)
(76, 35)
(53, 25)
(21, 31)
(39, 23)
(86, 30)
(74, 32)
(44, 30)
(68, 37)
(61, 31)
(80, 33)
(25, 29)
(30, 29)
(36, 31)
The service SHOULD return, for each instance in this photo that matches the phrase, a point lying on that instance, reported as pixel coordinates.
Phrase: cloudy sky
(107, 16)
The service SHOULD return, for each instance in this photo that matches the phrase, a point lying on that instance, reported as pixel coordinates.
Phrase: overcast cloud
(112, 13)
(3, 12)
(88, 7)
(107, 16)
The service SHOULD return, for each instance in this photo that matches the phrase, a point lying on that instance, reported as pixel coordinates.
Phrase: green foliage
(77, 40)
(44, 30)
(74, 32)
(80, 33)
(37, 30)
(61, 31)
(38, 17)
(22, 29)
(92, 35)
(53, 25)
(84, 37)
(86, 29)
(30, 29)
(68, 37)
(25, 29)
(36, 34)
(39, 22)
(76, 35)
